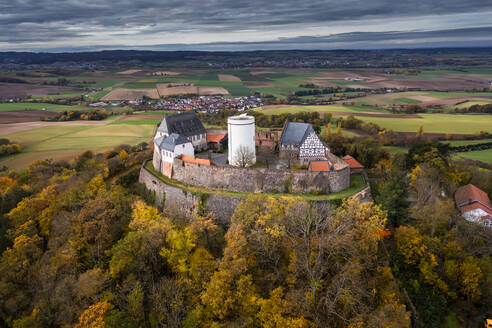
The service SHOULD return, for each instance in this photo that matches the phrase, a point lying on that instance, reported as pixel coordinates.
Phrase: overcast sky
(79, 25)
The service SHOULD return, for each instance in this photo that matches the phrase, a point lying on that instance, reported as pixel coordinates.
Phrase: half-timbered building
(300, 141)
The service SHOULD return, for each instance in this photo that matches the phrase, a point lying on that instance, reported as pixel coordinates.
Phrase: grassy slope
(436, 123)
(481, 155)
(356, 185)
(137, 122)
(56, 141)
(13, 107)
(326, 108)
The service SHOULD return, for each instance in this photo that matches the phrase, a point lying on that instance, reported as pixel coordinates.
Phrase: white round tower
(241, 135)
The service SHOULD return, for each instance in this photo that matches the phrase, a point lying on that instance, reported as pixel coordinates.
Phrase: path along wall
(256, 180)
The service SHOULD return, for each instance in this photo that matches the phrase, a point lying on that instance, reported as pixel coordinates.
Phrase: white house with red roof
(474, 204)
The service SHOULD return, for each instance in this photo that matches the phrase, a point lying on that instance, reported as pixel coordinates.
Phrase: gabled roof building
(301, 141)
(355, 166)
(474, 204)
(167, 148)
(187, 125)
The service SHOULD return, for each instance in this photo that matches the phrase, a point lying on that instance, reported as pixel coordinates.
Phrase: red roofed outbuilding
(217, 141)
(319, 166)
(195, 160)
(474, 204)
(355, 166)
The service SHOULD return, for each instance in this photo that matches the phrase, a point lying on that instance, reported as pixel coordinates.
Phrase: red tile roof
(320, 166)
(215, 137)
(352, 162)
(189, 159)
(469, 193)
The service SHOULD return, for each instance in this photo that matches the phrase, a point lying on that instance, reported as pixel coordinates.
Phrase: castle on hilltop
(180, 152)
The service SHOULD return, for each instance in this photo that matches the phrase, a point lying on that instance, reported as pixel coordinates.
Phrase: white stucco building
(166, 149)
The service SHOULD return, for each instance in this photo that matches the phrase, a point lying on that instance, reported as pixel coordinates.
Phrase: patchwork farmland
(361, 93)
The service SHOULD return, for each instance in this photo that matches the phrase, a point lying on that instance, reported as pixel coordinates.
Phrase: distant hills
(275, 58)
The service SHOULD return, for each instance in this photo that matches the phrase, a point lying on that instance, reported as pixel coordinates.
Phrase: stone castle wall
(223, 206)
(256, 180)
(186, 203)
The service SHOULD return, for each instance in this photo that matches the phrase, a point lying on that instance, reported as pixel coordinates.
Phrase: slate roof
(186, 124)
(170, 142)
(295, 133)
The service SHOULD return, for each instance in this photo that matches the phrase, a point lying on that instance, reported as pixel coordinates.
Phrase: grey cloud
(23, 21)
(471, 37)
(228, 14)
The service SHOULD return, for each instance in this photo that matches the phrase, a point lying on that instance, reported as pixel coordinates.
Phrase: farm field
(130, 94)
(67, 141)
(12, 107)
(228, 77)
(433, 123)
(277, 81)
(436, 123)
(283, 109)
(480, 155)
(425, 98)
(455, 143)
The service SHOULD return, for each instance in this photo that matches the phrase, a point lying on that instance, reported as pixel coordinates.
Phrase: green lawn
(480, 155)
(13, 107)
(51, 141)
(357, 183)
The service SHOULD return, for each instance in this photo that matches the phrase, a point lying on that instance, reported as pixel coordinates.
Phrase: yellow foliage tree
(410, 244)
(469, 278)
(123, 154)
(6, 183)
(96, 186)
(274, 312)
(339, 128)
(93, 317)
